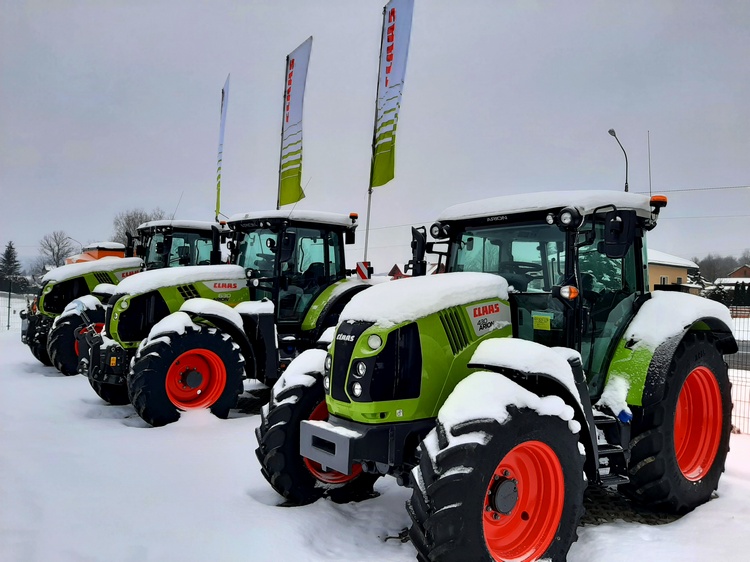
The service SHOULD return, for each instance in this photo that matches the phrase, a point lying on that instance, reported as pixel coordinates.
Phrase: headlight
(327, 382)
(47, 289)
(357, 389)
(374, 341)
(124, 304)
(360, 370)
(327, 363)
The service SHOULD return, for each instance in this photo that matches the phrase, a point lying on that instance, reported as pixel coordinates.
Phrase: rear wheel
(62, 345)
(37, 337)
(680, 444)
(298, 479)
(516, 494)
(202, 368)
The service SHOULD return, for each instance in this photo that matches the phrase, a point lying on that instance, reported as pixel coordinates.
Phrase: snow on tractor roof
(388, 304)
(157, 278)
(108, 263)
(584, 201)
(103, 246)
(298, 215)
(195, 225)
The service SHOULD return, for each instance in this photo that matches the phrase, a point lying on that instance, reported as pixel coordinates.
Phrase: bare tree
(55, 247)
(129, 221)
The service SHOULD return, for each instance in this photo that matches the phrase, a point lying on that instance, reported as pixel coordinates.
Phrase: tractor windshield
(257, 251)
(174, 249)
(530, 257)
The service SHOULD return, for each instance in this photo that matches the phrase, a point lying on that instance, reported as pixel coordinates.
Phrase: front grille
(188, 292)
(397, 371)
(102, 277)
(63, 293)
(454, 329)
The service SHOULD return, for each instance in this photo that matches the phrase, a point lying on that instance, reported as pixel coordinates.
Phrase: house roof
(736, 270)
(731, 280)
(662, 258)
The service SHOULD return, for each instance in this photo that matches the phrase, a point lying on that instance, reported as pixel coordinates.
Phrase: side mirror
(23, 314)
(288, 243)
(417, 263)
(619, 233)
(349, 237)
(140, 251)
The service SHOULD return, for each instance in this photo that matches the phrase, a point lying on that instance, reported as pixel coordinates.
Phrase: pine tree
(10, 270)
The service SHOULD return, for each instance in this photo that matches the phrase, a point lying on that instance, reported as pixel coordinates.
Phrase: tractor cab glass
(311, 260)
(177, 249)
(257, 254)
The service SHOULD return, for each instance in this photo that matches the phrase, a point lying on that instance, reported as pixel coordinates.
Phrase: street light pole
(612, 132)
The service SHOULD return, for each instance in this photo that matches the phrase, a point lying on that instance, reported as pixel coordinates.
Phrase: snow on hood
(108, 263)
(584, 201)
(157, 278)
(392, 303)
(528, 357)
(667, 314)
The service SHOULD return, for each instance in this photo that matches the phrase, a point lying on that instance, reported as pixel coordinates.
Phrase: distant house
(742, 272)
(668, 272)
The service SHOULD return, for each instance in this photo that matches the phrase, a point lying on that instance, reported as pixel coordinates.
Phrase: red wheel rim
(698, 423)
(328, 476)
(98, 327)
(189, 395)
(528, 529)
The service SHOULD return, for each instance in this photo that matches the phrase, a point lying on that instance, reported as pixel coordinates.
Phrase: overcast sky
(108, 106)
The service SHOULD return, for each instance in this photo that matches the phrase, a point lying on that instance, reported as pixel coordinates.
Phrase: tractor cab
(575, 263)
(176, 243)
(291, 258)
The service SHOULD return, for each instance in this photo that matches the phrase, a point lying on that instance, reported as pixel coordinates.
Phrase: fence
(739, 370)
(9, 309)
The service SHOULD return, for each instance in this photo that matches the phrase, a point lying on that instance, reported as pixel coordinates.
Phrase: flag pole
(281, 144)
(222, 124)
(374, 138)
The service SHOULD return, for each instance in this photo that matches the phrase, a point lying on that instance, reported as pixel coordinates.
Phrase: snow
(82, 480)
(297, 215)
(584, 201)
(309, 361)
(176, 322)
(201, 306)
(264, 306)
(157, 278)
(103, 246)
(667, 314)
(197, 225)
(615, 395)
(108, 263)
(657, 257)
(529, 357)
(391, 303)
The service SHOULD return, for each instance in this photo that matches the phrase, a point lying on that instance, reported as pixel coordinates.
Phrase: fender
(643, 354)
(548, 384)
(329, 304)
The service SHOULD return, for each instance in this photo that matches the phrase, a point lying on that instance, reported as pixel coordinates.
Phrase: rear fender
(325, 311)
(644, 353)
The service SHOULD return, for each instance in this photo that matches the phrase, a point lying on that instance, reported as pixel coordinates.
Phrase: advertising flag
(224, 104)
(393, 54)
(290, 165)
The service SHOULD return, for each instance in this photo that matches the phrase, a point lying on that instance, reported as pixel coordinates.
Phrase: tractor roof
(179, 224)
(584, 201)
(322, 217)
(103, 246)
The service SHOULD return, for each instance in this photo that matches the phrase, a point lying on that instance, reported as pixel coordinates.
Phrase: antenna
(298, 200)
(648, 136)
(612, 132)
(178, 204)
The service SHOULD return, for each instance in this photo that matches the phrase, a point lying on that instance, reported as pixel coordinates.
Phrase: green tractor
(539, 364)
(183, 341)
(69, 289)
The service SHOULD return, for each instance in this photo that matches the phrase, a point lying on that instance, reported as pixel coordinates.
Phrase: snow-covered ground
(82, 480)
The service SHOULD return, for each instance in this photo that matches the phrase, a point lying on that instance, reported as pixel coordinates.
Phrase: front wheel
(62, 345)
(202, 368)
(680, 444)
(514, 493)
(299, 480)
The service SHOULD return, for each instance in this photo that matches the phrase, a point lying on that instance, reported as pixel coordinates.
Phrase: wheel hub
(503, 495)
(191, 379)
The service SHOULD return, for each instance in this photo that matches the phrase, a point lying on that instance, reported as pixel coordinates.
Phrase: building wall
(674, 275)
(743, 271)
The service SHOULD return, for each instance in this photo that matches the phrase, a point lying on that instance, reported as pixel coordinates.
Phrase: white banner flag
(290, 167)
(393, 54)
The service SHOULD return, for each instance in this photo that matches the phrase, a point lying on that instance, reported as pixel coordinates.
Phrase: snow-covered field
(84, 481)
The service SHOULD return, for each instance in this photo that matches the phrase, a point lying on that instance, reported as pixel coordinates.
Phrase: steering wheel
(521, 267)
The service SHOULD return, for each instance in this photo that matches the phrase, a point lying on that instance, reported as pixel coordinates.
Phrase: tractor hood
(222, 277)
(126, 267)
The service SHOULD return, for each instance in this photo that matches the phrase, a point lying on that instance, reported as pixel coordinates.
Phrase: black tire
(62, 346)
(115, 394)
(159, 385)
(451, 507)
(658, 477)
(37, 337)
(278, 450)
